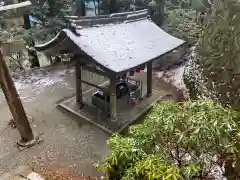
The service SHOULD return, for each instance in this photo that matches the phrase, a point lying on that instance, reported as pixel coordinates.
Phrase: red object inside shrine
(134, 101)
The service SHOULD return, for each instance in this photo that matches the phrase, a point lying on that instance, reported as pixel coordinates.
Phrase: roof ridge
(108, 19)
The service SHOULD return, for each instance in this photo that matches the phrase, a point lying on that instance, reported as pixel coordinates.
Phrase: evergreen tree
(214, 69)
(49, 17)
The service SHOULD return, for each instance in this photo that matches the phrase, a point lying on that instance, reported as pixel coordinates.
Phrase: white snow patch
(35, 82)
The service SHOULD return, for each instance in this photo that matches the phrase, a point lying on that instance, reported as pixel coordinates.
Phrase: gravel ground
(70, 144)
(62, 174)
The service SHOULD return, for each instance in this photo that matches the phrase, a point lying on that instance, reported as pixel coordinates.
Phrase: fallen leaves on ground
(62, 174)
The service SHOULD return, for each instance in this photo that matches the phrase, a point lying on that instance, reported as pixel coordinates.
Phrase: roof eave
(150, 61)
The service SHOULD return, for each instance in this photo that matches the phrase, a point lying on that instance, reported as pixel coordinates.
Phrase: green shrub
(182, 23)
(175, 141)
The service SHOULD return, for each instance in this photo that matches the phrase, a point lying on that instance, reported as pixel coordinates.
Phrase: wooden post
(14, 103)
(149, 79)
(113, 98)
(78, 71)
(11, 94)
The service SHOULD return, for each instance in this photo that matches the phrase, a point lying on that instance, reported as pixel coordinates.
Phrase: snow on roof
(117, 47)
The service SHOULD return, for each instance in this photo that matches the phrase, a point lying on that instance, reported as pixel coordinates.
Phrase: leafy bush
(182, 24)
(175, 141)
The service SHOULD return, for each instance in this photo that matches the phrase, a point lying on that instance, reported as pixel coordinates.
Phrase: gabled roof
(116, 46)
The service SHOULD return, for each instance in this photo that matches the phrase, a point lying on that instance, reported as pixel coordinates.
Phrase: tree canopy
(214, 69)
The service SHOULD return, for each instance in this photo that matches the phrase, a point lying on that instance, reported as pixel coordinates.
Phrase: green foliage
(114, 6)
(182, 23)
(14, 33)
(175, 141)
(214, 71)
(51, 16)
(182, 20)
(128, 161)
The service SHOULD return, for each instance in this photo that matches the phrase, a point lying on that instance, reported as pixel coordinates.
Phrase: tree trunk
(112, 4)
(95, 7)
(99, 13)
(81, 8)
(161, 12)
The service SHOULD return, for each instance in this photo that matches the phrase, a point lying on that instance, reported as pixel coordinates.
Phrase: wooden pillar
(113, 98)
(78, 82)
(14, 103)
(149, 79)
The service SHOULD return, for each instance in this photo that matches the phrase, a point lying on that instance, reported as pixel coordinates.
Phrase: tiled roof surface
(117, 45)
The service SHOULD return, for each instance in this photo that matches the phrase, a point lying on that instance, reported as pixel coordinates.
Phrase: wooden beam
(14, 103)
(94, 85)
(95, 70)
(149, 79)
(113, 99)
(78, 83)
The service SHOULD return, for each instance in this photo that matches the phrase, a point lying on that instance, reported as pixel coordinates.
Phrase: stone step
(21, 173)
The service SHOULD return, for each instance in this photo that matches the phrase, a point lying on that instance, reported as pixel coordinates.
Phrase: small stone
(12, 124)
(34, 176)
